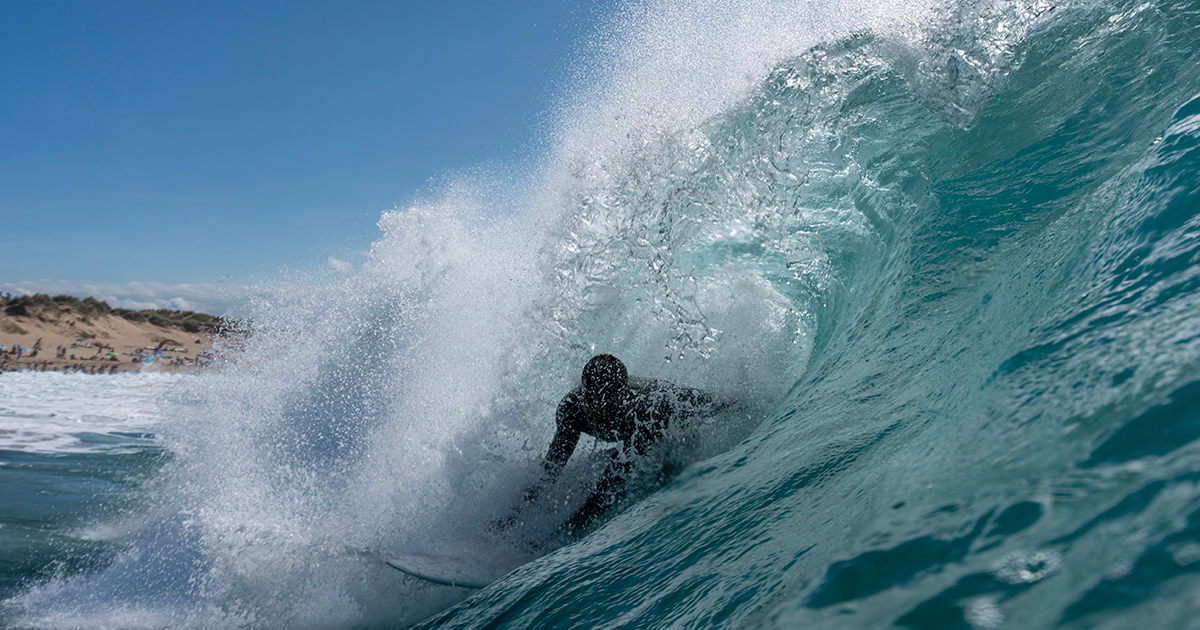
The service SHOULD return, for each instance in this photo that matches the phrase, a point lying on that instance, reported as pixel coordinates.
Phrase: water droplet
(1026, 567)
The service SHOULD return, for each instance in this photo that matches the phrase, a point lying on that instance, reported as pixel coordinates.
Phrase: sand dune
(92, 334)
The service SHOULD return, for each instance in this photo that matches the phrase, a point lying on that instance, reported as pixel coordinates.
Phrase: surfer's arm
(608, 492)
(566, 436)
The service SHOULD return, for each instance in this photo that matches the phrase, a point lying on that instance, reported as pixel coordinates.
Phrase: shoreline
(96, 366)
(65, 334)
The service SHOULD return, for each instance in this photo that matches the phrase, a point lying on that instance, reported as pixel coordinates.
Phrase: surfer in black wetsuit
(612, 407)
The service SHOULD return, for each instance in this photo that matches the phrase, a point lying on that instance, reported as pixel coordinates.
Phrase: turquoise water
(948, 258)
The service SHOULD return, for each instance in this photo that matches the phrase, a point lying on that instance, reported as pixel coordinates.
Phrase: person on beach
(611, 406)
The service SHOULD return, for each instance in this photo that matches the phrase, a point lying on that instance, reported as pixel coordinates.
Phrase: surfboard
(475, 571)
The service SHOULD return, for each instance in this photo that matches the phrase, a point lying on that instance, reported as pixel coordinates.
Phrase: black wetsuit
(641, 422)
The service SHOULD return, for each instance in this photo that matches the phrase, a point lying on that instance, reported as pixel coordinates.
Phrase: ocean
(945, 256)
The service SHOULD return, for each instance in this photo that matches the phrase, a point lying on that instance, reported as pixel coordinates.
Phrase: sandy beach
(96, 339)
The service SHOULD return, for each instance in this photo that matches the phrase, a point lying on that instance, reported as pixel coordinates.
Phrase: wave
(946, 255)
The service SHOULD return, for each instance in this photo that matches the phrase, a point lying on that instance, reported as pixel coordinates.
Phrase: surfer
(611, 406)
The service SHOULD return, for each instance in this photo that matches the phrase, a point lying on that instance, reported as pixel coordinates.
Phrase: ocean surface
(946, 256)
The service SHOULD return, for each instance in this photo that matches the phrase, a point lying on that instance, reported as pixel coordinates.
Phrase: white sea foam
(51, 412)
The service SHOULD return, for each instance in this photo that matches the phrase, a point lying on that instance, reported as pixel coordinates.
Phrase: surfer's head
(604, 381)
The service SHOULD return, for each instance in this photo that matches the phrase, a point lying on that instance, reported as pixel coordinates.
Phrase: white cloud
(210, 298)
(340, 266)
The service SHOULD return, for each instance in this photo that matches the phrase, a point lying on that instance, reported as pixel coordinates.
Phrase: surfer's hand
(713, 403)
(723, 403)
(529, 495)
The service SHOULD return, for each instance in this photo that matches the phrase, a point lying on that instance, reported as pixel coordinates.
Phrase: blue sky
(170, 143)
